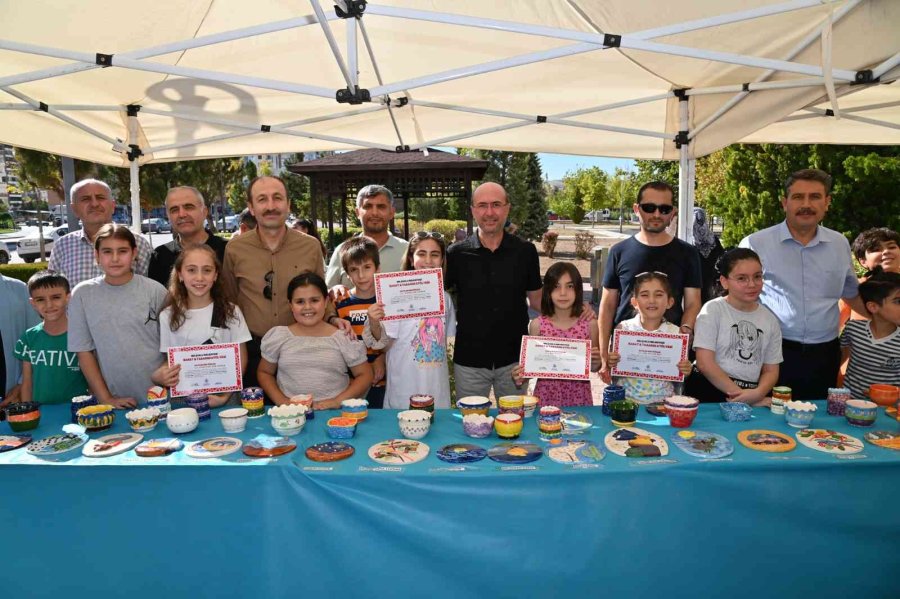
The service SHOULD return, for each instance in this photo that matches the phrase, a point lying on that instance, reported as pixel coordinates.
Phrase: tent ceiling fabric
(239, 85)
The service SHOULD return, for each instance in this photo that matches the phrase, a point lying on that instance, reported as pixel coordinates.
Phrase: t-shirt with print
(742, 341)
(871, 360)
(55, 374)
(355, 310)
(197, 329)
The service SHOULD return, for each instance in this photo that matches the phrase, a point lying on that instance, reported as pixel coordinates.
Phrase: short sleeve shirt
(390, 258)
(55, 373)
(871, 360)
(163, 257)
(197, 329)
(73, 256)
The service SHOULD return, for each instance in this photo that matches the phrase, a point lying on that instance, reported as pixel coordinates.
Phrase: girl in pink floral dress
(561, 316)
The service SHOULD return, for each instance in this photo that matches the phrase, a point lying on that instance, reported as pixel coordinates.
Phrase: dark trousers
(809, 369)
(253, 358)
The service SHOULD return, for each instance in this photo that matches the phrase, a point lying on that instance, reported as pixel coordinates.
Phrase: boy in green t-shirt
(50, 373)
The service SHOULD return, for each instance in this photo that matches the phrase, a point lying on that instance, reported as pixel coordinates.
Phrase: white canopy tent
(127, 84)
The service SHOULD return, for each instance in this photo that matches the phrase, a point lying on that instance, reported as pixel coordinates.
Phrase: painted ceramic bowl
(22, 416)
(96, 418)
(288, 419)
(735, 411)
(799, 414)
(414, 424)
(477, 426)
(530, 403)
(884, 395)
(473, 404)
(234, 420)
(509, 425)
(623, 412)
(341, 428)
(860, 412)
(81, 401)
(252, 399)
(162, 404)
(200, 402)
(157, 393)
(182, 420)
(355, 408)
(422, 402)
(143, 420)
(512, 404)
(681, 410)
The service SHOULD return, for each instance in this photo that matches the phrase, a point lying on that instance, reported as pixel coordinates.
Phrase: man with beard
(650, 249)
(187, 213)
(806, 270)
(375, 208)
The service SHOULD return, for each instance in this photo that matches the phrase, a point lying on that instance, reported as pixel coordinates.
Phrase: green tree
(657, 170)
(297, 187)
(622, 191)
(44, 171)
(534, 224)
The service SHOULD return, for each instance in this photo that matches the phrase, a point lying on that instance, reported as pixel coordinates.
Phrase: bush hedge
(22, 272)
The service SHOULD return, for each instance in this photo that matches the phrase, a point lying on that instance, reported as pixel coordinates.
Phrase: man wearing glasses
(496, 276)
(650, 249)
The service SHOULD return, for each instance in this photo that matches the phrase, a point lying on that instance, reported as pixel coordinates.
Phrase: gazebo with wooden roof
(411, 175)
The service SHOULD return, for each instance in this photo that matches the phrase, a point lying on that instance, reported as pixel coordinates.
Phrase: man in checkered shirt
(73, 254)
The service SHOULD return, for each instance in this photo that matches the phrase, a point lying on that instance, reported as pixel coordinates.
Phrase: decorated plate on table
(330, 451)
(515, 453)
(575, 452)
(630, 442)
(656, 409)
(213, 448)
(886, 439)
(56, 444)
(109, 445)
(891, 412)
(268, 446)
(574, 423)
(701, 444)
(821, 439)
(461, 453)
(155, 448)
(398, 451)
(10, 442)
(768, 441)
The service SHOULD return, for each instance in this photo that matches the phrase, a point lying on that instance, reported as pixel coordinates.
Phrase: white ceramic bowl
(143, 420)
(288, 419)
(234, 420)
(414, 424)
(182, 420)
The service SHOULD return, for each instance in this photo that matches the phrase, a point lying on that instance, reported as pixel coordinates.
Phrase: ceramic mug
(623, 412)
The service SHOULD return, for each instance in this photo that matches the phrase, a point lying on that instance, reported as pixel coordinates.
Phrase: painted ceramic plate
(55, 444)
(515, 453)
(330, 451)
(155, 448)
(268, 446)
(630, 442)
(768, 441)
(10, 442)
(886, 439)
(574, 423)
(576, 452)
(108, 445)
(398, 451)
(656, 409)
(891, 412)
(461, 453)
(702, 444)
(213, 448)
(829, 441)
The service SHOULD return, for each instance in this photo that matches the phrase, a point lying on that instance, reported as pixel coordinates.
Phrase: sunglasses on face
(267, 290)
(429, 235)
(650, 208)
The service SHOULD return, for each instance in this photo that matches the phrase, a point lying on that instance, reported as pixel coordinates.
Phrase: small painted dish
(656, 409)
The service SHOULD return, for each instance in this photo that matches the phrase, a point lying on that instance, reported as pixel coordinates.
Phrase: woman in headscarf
(710, 249)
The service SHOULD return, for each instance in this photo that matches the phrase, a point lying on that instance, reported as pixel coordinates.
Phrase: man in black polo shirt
(187, 213)
(496, 277)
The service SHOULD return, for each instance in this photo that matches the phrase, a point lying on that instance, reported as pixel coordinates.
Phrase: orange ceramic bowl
(884, 395)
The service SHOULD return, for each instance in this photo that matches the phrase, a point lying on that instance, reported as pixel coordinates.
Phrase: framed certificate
(207, 368)
(555, 358)
(650, 355)
(410, 293)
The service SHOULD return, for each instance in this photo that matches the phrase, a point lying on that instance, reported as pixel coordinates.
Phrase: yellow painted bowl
(508, 426)
(96, 418)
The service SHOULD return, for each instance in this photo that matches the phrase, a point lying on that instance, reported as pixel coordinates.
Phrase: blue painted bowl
(735, 411)
(341, 428)
(799, 414)
(200, 402)
(860, 412)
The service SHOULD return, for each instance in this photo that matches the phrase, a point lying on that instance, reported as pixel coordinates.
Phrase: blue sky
(556, 166)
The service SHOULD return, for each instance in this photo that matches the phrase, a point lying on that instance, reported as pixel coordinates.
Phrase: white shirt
(197, 329)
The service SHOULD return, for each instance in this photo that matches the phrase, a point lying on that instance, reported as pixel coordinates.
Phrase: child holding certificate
(416, 348)
(561, 316)
(651, 297)
(198, 312)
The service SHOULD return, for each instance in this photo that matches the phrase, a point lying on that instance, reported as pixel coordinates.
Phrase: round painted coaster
(701, 444)
(829, 441)
(886, 439)
(398, 451)
(265, 446)
(155, 448)
(769, 441)
(55, 444)
(330, 451)
(576, 452)
(574, 423)
(213, 448)
(109, 445)
(10, 442)
(515, 453)
(630, 442)
(461, 453)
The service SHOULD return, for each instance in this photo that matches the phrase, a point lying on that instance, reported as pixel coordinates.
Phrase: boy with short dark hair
(878, 246)
(360, 260)
(50, 373)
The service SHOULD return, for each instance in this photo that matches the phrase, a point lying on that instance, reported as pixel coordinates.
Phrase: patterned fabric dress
(555, 392)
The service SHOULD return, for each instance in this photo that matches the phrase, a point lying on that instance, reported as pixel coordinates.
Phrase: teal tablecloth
(753, 525)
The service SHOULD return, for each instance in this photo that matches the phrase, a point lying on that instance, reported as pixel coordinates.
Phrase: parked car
(552, 215)
(232, 222)
(155, 225)
(597, 215)
(29, 248)
(4, 254)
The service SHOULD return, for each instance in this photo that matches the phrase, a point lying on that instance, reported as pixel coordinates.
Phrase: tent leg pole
(685, 180)
(135, 196)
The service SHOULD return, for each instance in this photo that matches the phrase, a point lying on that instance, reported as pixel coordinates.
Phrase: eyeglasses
(267, 290)
(745, 280)
(429, 235)
(650, 208)
(483, 206)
